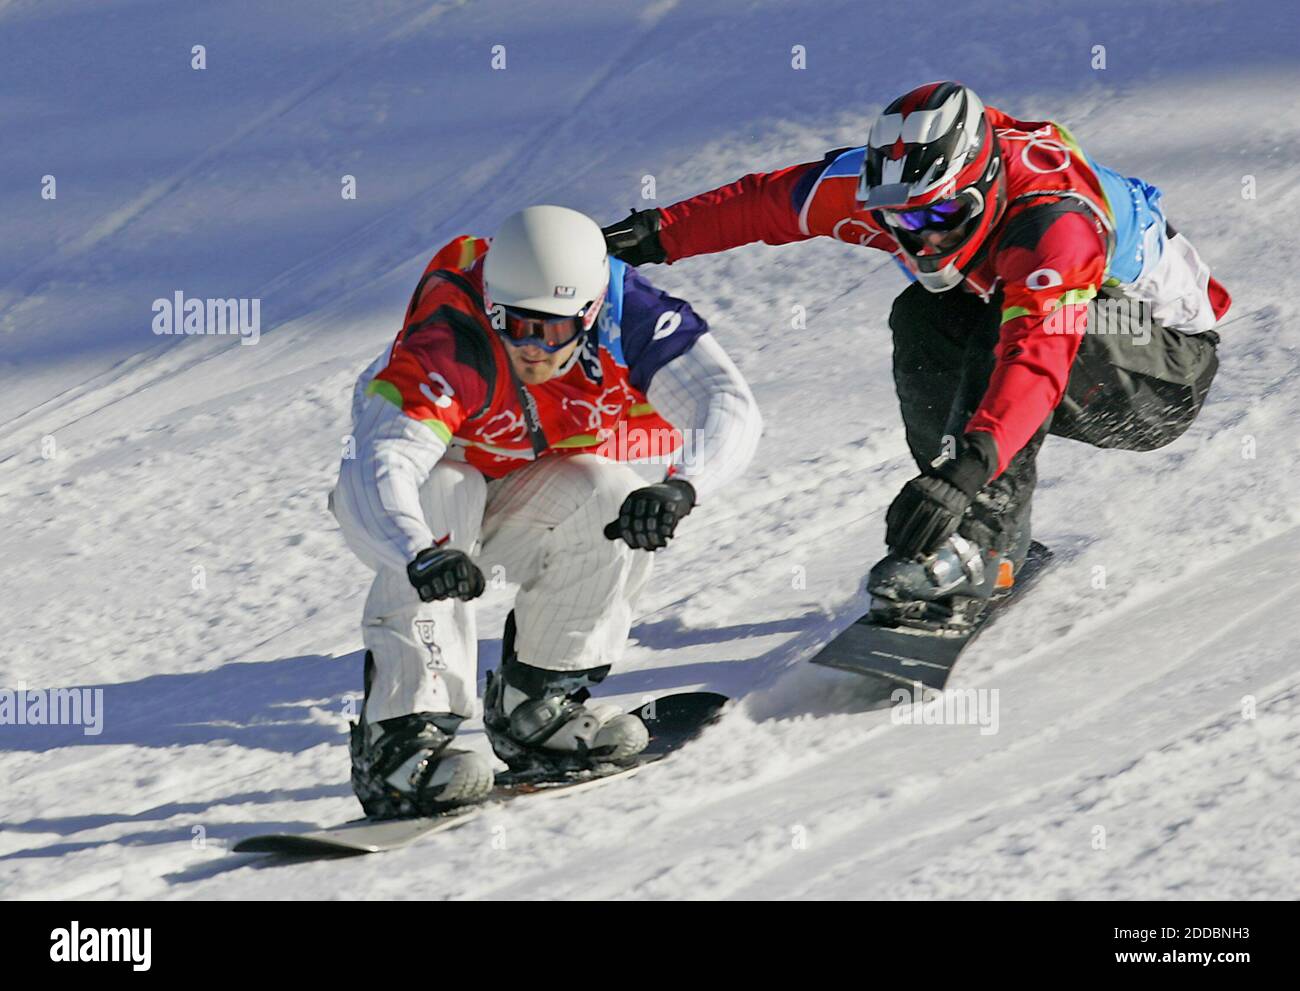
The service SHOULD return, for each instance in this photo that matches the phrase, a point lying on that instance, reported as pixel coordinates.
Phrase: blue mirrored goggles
(945, 215)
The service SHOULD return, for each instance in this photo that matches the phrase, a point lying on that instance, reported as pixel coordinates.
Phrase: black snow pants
(1134, 385)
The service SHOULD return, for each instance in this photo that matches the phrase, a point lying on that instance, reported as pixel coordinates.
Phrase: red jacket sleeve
(759, 207)
(1049, 275)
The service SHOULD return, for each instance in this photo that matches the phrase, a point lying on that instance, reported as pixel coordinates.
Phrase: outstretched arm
(759, 207)
(762, 206)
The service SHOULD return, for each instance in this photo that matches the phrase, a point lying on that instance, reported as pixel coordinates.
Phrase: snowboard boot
(403, 767)
(540, 723)
(999, 521)
(1008, 562)
(948, 589)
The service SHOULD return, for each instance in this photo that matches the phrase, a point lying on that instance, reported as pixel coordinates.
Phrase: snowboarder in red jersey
(1049, 295)
(489, 437)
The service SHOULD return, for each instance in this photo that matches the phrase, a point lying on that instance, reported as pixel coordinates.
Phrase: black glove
(929, 509)
(443, 573)
(649, 516)
(635, 239)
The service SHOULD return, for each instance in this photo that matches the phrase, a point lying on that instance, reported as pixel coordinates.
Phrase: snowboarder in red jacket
(1049, 295)
(491, 439)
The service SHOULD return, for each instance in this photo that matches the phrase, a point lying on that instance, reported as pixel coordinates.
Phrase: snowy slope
(1120, 706)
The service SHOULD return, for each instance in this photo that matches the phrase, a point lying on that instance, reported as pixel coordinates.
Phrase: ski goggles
(529, 328)
(946, 215)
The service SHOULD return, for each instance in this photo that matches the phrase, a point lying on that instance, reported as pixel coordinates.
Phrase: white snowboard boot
(540, 722)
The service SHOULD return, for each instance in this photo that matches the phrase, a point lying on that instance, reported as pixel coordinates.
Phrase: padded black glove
(649, 516)
(635, 239)
(929, 509)
(443, 573)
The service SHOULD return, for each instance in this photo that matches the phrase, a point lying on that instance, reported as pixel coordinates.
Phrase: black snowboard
(910, 654)
(673, 721)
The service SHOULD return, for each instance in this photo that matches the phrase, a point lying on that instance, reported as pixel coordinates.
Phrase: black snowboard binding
(538, 722)
(946, 591)
(403, 767)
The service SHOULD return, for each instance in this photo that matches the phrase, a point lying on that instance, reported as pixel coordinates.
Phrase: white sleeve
(359, 396)
(378, 493)
(702, 393)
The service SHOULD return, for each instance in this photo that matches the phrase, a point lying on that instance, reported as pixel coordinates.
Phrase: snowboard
(909, 655)
(673, 721)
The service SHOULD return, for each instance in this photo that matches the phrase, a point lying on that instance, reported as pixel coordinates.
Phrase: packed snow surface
(166, 539)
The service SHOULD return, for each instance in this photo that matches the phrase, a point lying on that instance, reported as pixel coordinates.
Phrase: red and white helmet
(933, 172)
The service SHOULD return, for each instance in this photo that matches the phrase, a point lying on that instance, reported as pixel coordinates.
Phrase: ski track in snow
(1121, 679)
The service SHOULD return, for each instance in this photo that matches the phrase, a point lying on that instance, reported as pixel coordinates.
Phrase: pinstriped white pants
(540, 528)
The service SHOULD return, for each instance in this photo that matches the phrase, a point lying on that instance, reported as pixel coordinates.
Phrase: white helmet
(549, 259)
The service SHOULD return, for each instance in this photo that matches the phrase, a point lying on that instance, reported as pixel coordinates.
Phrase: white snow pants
(541, 528)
